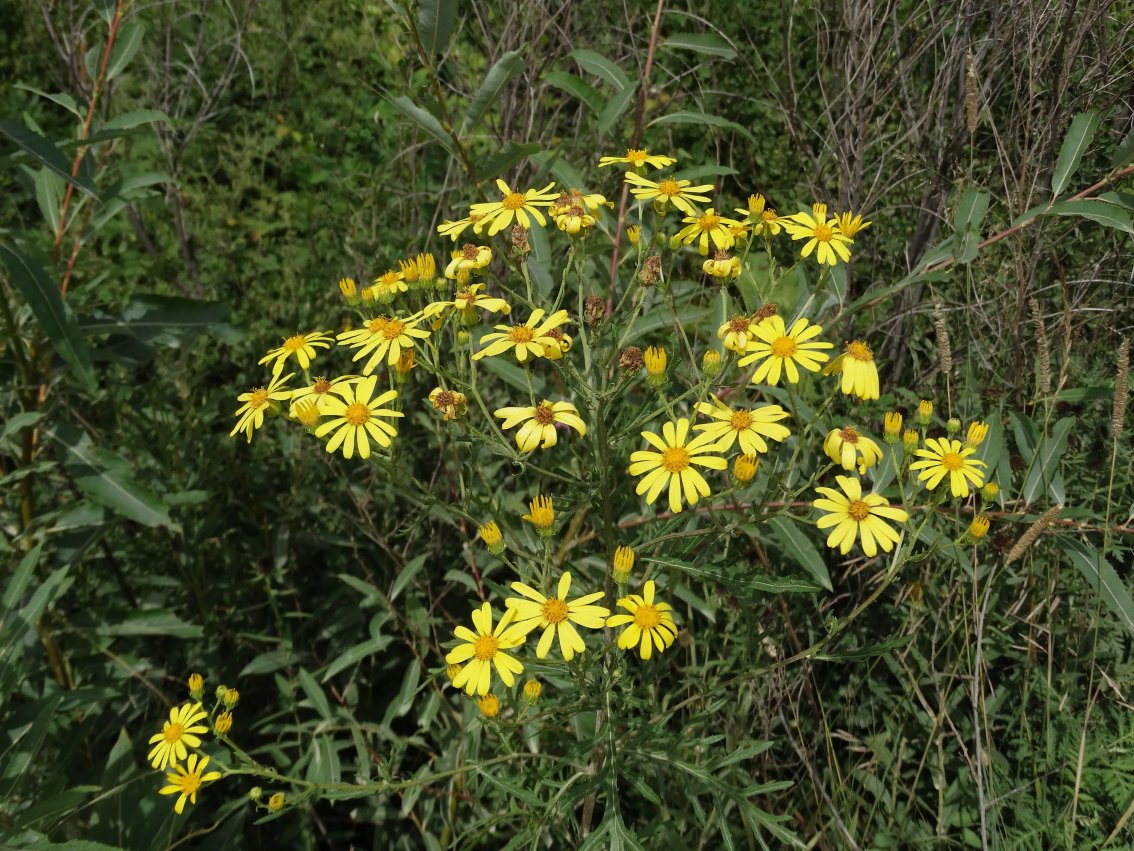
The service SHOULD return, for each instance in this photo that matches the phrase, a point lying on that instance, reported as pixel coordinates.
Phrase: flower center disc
(709, 221)
(849, 435)
(741, 420)
(544, 415)
(469, 251)
(784, 347)
(173, 733)
(952, 461)
(521, 334)
(443, 399)
(294, 344)
(739, 324)
(675, 459)
(485, 648)
(860, 351)
(514, 201)
(823, 233)
(356, 414)
(377, 326)
(321, 385)
(669, 188)
(190, 783)
(637, 157)
(555, 610)
(647, 617)
(258, 398)
(389, 278)
(858, 510)
(393, 329)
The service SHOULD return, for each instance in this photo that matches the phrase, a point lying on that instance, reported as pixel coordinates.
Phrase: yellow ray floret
(356, 418)
(638, 157)
(649, 625)
(300, 346)
(781, 351)
(556, 616)
(748, 426)
(539, 421)
(679, 193)
(383, 338)
(672, 464)
(483, 650)
(518, 207)
(822, 234)
(528, 339)
(853, 516)
(945, 457)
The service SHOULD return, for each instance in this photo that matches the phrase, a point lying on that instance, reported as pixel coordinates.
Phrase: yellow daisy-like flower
(556, 616)
(750, 427)
(672, 464)
(845, 445)
(388, 284)
(450, 403)
(355, 418)
(945, 457)
(420, 268)
(542, 514)
(250, 415)
(302, 346)
(319, 391)
(821, 234)
(520, 207)
(759, 217)
(850, 224)
(648, 626)
(852, 514)
(679, 193)
(737, 333)
(383, 337)
(567, 200)
(529, 339)
(638, 157)
(859, 372)
(484, 649)
(465, 300)
(471, 258)
(708, 227)
(186, 780)
(722, 265)
(538, 430)
(453, 230)
(177, 734)
(562, 347)
(781, 350)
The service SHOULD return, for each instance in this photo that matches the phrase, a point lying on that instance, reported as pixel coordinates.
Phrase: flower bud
(655, 359)
(952, 426)
(196, 686)
(744, 468)
(406, 362)
(675, 243)
(910, 440)
(633, 233)
(711, 363)
(255, 794)
(276, 802)
(220, 692)
(924, 412)
(623, 564)
(490, 534)
(594, 310)
(231, 697)
(349, 289)
(978, 528)
(532, 692)
(462, 337)
(489, 706)
(990, 491)
(976, 434)
(892, 427)
(223, 723)
(451, 672)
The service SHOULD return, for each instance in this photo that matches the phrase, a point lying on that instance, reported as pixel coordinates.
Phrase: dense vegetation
(220, 168)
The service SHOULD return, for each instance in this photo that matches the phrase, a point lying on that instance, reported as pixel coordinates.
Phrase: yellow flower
(655, 358)
(465, 301)
(349, 289)
(679, 193)
(453, 230)
(945, 457)
(556, 616)
(318, 392)
(781, 350)
(845, 445)
(484, 649)
(924, 412)
(530, 338)
(276, 802)
(450, 403)
(420, 268)
(542, 514)
(538, 429)
(762, 219)
(389, 284)
(672, 464)
(750, 427)
(470, 258)
(824, 234)
(489, 706)
(852, 514)
(708, 227)
(563, 345)
(649, 625)
(633, 233)
(737, 333)
(622, 565)
(250, 415)
(520, 207)
(850, 224)
(860, 373)
(490, 534)
(186, 780)
(196, 686)
(179, 731)
(302, 346)
(573, 211)
(892, 427)
(976, 434)
(744, 468)
(356, 419)
(979, 527)
(722, 265)
(223, 723)
(383, 337)
(637, 158)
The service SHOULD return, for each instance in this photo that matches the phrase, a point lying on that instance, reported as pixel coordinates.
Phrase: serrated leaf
(799, 547)
(52, 313)
(1075, 144)
(687, 117)
(1103, 579)
(575, 86)
(612, 112)
(425, 120)
(46, 153)
(506, 69)
(1096, 210)
(709, 44)
(436, 20)
(601, 67)
(125, 46)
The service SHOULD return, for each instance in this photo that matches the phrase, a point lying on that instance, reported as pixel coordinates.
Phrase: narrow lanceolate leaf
(506, 69)
(1103, 579)
(52, 313)
(425, 120)
(574, 86)
(702, 118)
(600, 66)
(46, 153)
(709, 44)
(1095, 210)
(435, 22)
(1071, 152)
(125, 46)
(795, 543)
(614, 108)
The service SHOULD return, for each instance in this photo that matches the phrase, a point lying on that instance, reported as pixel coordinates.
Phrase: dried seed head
(971, 93)
(631, 359)
(594, 310)
(650, 273)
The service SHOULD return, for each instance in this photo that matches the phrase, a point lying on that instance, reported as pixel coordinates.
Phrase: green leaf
(1044, 469)
(1123, 154)
(136, 118)
(153, 622)
(52, 313)
(436, 20)
(64, 100)
(105, 9)
(1102, 578)
(125, 46)
(729, 577)
(314, 693)
(406, 575)
(1096, 210)
(505, 70)
(709, 44)
(19, 581)
(425, 120)
(867, 651)
(1082, 131)
(505, 160)
(46, 153)
(356, 654)
(575, 86)
(167, 320)
(970, 210)
(613, 110)
(799, 546)
(687, 117)
(49, 195)
(601, 67)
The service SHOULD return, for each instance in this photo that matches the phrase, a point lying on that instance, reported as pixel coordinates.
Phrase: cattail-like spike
(944, 349)
(1121, 390)
(1043, 354)
(971, 92)
(1033, 532)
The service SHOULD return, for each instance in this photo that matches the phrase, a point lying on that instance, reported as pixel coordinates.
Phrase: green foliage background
(284, 162)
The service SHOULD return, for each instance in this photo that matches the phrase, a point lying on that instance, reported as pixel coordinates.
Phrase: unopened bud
(231, 697)
(223, 723)
(463, 337)
(924, 412)
(276, 802)
(978, 528)
(489, 706)
(744, 468)
(976, 434)
(196, 686)
(490, 534)
(711, 363)
(892, 427)
(532, 692)
(633, 233)
(990, 491)
(910, 440)
(952, 426)
(622, 565)
(255, 794)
